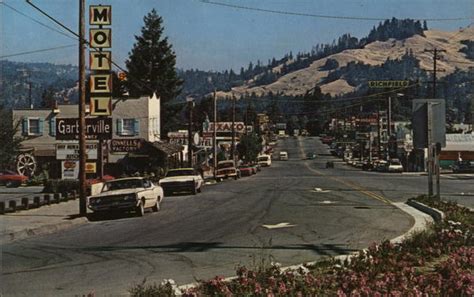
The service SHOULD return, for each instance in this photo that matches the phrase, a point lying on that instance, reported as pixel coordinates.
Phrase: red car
(11, 179)
(327, 139)
(246, 170)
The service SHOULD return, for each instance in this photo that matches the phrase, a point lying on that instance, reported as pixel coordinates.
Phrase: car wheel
(156, 207)
(140, 210)
(199, 189)
(193, 190)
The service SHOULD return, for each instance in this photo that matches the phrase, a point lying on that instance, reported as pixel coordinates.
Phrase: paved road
(327, 211)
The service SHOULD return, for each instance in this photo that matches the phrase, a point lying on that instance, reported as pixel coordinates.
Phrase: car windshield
(395, 163)
(263, 158)
(180, 172)
(225, 165)
(122, 184)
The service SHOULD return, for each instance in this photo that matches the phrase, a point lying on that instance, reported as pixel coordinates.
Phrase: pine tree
(10, 142)
(151, 63)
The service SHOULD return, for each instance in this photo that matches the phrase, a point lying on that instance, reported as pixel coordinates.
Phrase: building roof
(168, 148)
(459, 142)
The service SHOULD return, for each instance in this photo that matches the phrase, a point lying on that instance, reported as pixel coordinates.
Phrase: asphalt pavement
(296, 211)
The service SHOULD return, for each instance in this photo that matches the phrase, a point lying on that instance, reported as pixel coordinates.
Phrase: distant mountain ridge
(17, 77)
(455, 57)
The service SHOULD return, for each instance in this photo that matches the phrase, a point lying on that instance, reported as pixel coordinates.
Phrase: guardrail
(36, 201)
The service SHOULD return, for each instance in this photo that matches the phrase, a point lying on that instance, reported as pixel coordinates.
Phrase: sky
(208, 36)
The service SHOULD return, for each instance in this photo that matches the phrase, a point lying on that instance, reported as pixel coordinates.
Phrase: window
(32, 126)
(128, 127)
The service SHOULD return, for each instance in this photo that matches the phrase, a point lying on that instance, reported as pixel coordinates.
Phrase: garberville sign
(96, 128)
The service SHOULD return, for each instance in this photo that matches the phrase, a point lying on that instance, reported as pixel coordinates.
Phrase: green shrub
(60, 186)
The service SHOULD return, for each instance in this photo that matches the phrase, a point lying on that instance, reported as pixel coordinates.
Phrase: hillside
(373, 54)
(16, 79)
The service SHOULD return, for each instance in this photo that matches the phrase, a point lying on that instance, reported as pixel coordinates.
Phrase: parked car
(182, 180)
(12, 179)
(380, 165)
(394, 165)
(464, 166)
(246, 170)
(127, 194)
(264, 160)
(227, 169)
(327, 139)
(283, 156)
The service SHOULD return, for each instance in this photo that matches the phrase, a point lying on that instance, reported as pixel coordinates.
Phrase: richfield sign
(100, 60)
(227, 127)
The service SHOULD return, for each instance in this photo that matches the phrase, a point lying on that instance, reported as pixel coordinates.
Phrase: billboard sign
(227, 127)
(96, 128)
(126, 145)
(382, 84)
(70, 151)
(70, 169)
(429, 122)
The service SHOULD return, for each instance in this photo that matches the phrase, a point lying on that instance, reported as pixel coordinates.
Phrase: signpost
(429, 131)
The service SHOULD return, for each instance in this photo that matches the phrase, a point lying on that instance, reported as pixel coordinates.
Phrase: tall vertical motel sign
(100, 60)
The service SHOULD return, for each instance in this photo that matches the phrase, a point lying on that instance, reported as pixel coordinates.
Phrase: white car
(264, 160)
(227, 169)
(395, 166)
(126, 194)
(283, 156)
(182, 179)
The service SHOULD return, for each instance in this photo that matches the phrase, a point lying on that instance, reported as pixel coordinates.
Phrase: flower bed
(435, 262)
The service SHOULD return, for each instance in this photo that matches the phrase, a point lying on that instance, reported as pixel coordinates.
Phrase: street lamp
(214, 134)
(389, 120)
(190, 101)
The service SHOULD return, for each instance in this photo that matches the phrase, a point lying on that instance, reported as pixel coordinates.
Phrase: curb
(45, 229)
(422, 220)
(437, 215)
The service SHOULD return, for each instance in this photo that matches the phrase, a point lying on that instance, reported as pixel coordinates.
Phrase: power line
(37, 51)
(317, 15)
(36, 21)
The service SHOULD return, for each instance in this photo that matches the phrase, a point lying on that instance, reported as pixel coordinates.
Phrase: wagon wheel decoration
(26, 164)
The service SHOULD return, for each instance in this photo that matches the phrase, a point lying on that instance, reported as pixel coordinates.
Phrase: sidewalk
(43, 220)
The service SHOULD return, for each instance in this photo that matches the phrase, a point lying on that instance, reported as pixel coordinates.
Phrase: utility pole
(214, 140)
(389, 125)
(190, 132)
(435, 52)
(82, 112)
(430, 150)
(433, 157)
(232, 149)
(379, 140)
